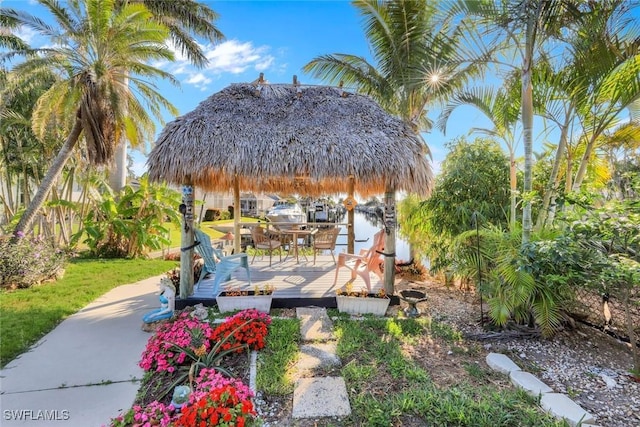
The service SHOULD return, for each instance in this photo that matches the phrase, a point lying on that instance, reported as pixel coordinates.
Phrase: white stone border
(556, 404)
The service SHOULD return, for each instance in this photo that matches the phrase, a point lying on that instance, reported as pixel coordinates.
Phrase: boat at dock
(286, 212)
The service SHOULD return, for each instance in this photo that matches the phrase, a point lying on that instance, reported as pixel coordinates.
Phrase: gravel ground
(588, 365)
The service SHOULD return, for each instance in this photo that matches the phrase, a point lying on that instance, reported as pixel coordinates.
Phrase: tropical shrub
(474, 181)
(520, 284)
(131, 224)
(26, 261)
(473, 187)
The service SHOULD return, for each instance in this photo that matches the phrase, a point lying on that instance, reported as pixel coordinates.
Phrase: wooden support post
(237, 216)
(351, 233)
(390, 240)
(186, 241)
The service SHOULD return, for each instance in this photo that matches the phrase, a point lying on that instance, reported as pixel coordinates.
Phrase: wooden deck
(296, 284)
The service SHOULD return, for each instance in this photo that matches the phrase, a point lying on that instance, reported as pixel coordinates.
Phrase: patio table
(296, 233)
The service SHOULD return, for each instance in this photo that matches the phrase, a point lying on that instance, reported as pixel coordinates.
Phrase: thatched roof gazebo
(291, 139)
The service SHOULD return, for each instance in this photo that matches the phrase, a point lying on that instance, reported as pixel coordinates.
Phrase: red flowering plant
(248, 328)
(163, 351)
(220, 406)
(210, 379)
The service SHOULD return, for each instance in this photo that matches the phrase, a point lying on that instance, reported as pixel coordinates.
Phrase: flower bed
(203, 356)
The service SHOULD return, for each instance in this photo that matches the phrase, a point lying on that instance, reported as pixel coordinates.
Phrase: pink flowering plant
(27, 261)
(209, 379)
(163, 353)
(153, 414)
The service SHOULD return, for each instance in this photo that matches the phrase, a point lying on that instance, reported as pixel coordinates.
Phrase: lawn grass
(278, 357)
(388, 387)
(175, 233)
(29, 314)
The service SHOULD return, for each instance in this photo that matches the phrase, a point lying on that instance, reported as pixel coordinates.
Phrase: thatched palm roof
(290, 139)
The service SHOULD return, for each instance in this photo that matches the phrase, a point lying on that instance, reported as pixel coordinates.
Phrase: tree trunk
(118, 173)
(527, 131)
(26, 221)
(186, 255)
(582, 169)
(390, 241)
(554, 180)
(513, 186)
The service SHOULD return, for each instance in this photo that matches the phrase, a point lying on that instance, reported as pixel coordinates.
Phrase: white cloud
(198, 79)
(26, 34)
(231, 56)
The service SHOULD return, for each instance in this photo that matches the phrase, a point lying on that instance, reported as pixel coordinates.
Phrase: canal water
(365, 229)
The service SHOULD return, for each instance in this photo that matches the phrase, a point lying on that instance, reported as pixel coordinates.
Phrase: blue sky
(277, 38)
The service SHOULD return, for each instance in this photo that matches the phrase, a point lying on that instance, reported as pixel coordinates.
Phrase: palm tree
(185, 19)
(93, 49)
(22, 153)
(418, 57)
(603, 41)
(607, 51)
(527, 25)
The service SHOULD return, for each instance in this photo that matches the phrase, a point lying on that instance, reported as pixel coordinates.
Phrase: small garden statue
(200, 312)
(180, 396)
(167, 302)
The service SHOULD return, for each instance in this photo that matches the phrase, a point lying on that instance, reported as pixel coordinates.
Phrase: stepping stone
(320, 397)
(501, 363)
(530, 383)
(318, 356)
(315, 325)
(560, 406)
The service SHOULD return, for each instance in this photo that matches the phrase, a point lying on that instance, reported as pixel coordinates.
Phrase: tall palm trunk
(554, 178)
(118, 173)
(527, 133)
(527, 119)
(582, 169)
(513, 186)
(26, 221)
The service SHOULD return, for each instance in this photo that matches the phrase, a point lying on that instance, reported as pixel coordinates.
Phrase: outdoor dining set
(291, 237)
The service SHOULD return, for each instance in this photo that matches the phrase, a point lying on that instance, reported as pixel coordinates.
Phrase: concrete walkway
(85, 371)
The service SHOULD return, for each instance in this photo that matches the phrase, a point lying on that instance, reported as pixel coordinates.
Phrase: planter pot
(244, 302)
(362, 305)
